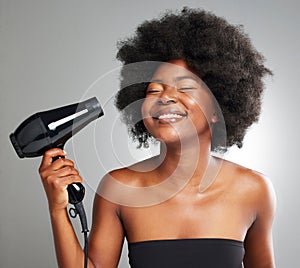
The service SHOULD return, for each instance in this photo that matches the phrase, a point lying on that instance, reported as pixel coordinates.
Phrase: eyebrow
(178, 78)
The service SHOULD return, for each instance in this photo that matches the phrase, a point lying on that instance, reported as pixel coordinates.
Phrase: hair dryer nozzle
(49, 129)
(16, 145)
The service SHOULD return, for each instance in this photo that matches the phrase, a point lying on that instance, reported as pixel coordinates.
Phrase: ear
(214, 119)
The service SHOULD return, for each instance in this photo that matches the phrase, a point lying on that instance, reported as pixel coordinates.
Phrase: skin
(239, 197)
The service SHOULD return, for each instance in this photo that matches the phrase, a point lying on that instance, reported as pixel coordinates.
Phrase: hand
(56, 176)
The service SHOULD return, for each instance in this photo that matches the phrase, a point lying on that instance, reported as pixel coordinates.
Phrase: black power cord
(79, 210)
(76, 192)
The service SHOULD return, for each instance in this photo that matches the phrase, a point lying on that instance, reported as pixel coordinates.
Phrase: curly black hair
(221, 54)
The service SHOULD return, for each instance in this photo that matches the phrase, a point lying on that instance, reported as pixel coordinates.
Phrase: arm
(105, 242)
(258, 242)
(56, 177)
(107, 234)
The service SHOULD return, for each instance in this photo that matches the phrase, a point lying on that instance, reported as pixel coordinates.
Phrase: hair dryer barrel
(49, 129)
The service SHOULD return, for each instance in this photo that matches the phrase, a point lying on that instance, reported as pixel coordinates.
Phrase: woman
(160, 204)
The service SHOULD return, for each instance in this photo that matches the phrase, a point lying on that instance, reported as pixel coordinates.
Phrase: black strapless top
(187, 253)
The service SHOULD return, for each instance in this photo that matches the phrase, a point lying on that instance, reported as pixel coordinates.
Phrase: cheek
(202, 106)
(146, 112)
(146, 107)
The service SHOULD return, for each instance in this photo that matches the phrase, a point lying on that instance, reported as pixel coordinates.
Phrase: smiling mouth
(169, 117)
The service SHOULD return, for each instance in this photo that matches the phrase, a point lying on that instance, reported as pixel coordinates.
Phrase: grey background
(53, 53)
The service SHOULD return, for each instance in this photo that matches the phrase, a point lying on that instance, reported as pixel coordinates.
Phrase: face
(177, 104)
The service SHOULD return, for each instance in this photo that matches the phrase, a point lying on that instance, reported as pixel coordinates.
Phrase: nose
(168, 95)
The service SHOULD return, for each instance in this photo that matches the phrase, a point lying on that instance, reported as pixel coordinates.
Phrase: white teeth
(168, 116)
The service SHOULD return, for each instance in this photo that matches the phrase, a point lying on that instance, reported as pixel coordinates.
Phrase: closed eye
(186, 88)
(151, 91)
(154, 88)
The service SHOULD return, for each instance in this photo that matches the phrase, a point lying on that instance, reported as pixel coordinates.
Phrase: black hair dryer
(51, 129)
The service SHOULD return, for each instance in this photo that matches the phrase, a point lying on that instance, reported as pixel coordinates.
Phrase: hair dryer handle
(76, 191)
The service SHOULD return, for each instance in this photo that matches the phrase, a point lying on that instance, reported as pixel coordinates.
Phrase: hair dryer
(51, 129)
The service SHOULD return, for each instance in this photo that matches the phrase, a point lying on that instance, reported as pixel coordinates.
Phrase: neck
(186, 159)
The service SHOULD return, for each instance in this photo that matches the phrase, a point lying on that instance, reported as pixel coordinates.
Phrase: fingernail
(64, 152)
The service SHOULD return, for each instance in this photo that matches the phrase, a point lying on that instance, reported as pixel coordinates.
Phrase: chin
(178, 141)
(168, 138)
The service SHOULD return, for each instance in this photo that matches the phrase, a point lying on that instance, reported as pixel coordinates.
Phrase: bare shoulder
(123, 175)
(120, 186)
(133, 175)
(247, 176)
(257, 194)
(256, 187)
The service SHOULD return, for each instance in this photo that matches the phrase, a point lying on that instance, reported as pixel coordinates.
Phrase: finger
(61, 163)
(48, 156)
(72, 179)
(63, 182)
(61, 167)
(66, 171)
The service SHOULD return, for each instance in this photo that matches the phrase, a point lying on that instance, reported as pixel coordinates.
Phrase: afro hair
(221, 54)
